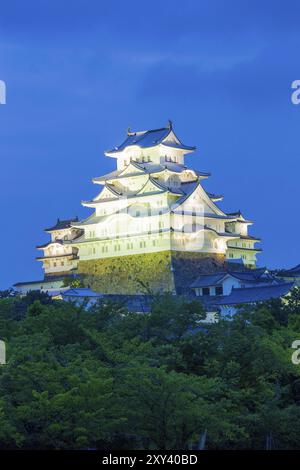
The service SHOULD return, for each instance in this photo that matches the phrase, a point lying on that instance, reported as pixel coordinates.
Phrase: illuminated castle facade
(151, 205)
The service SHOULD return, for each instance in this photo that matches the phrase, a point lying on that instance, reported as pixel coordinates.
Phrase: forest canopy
(105, 378)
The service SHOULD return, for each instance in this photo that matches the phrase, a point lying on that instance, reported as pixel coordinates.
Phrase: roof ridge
(60, 224)
(267, 286)
(133, 133)
(150, 138)
(213, 274)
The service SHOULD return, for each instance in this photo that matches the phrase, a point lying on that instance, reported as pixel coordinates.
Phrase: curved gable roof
(151, 138)
(191, 188)
(62, 225)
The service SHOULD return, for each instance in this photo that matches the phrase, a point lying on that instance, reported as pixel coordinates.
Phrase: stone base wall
(187, 266)
(148, 273)
(132, 274)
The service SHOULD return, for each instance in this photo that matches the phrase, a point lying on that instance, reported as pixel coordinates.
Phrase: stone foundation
(187, 266)
(148, 273)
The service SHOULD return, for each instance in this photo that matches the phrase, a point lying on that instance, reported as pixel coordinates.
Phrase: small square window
(205, 291)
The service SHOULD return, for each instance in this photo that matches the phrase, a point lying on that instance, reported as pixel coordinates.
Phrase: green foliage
(6, 293)
(107, 378)
(172, 317)
(73, 282)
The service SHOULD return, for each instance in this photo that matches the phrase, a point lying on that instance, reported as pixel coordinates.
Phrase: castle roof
(154, 186)
(81, 292)
(151, 138)
(206, 280)
(293, 272)
(249, 237)
(255, 294)
(59, 242)
(243, 248)
(147, 168)
(62, 224)
(296, 268)
(65, 255)
(215, 197)
(239, 217)
(134, 303)
(260, 275)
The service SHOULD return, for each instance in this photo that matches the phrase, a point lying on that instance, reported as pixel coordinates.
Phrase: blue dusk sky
(78, 73)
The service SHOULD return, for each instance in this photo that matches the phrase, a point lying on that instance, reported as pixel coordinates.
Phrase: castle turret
(60, 256)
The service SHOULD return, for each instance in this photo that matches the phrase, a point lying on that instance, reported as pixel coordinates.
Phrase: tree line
(100, 377)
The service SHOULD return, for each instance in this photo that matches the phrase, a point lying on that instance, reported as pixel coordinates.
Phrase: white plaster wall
(229, 283)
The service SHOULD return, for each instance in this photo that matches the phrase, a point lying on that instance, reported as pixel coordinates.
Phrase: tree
(171, 318)
(166, 407)
(107, 378)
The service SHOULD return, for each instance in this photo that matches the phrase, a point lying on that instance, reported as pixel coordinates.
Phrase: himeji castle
(154, 226)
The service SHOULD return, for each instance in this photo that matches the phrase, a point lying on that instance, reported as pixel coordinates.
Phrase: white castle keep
(152, 202)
